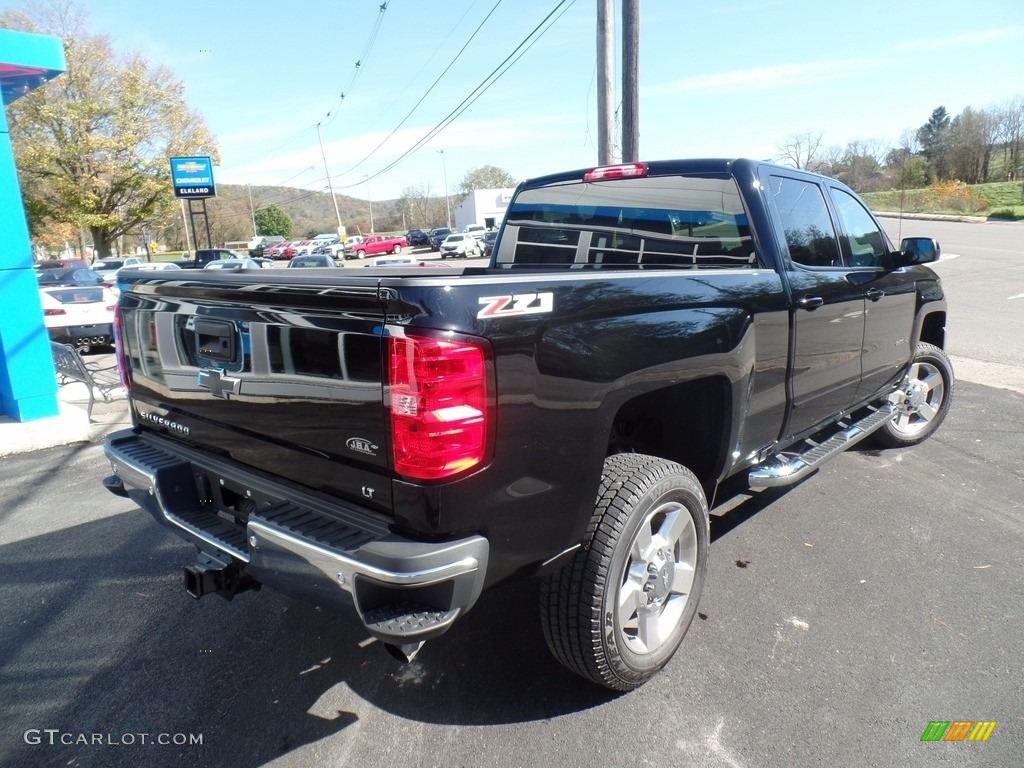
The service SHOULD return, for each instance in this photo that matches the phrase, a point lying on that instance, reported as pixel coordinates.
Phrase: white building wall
(484, 206)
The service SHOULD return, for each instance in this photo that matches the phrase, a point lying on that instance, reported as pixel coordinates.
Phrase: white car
(81, 315)
(150, 266)
(234, 264)
(107, 267)
(476, 230)
(460, 244)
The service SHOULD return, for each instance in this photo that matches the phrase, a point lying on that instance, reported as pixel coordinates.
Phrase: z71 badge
(519, 304)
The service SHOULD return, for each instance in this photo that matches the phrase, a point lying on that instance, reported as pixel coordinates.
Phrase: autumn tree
(273, 221)
(92, 147)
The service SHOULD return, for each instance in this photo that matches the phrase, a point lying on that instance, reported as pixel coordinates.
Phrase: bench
(70, 366)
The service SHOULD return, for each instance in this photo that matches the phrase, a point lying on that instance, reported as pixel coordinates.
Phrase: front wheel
(360, 254)
(396, 249)
(922, 400)
(616, 613)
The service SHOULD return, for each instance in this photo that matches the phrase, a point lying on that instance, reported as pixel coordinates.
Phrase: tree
(933, 137)
(485, 177)
(92, 146)
(801, 151)
(273, 221)
(422, 208)
(971, 144)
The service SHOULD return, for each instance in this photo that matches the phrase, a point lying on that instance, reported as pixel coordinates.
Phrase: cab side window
(863, 243)
(810, 236)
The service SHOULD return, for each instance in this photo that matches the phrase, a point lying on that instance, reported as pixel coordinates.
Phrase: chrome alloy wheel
(918, 400)
(657, 578)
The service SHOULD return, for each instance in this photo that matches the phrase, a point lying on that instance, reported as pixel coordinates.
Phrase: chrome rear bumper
(403, 590)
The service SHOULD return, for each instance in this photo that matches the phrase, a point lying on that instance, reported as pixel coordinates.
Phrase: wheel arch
(933, 329)
(687, 423)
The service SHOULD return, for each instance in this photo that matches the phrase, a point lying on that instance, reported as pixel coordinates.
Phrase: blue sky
(730, 78)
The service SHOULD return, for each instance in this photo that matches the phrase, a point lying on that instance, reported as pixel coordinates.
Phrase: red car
(276, 251)
(295, 247)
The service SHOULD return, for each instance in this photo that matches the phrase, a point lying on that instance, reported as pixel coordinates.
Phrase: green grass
(1003, 200)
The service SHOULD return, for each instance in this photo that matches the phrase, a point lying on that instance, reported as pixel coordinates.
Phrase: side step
(792, 466)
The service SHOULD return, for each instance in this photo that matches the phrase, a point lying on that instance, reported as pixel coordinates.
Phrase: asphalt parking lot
(839, 619)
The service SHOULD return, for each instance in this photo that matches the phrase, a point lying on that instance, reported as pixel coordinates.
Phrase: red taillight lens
(626, 171)
(122, 361)
(438, 399)
(54, 312)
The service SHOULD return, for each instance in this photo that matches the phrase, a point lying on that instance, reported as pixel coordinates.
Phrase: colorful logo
(958, 730)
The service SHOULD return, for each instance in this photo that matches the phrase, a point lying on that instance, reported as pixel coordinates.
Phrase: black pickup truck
(394, 442)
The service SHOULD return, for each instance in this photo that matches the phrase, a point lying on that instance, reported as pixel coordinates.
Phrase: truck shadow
(98, 637)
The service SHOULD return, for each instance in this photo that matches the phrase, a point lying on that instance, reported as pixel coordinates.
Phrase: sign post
(192, 179)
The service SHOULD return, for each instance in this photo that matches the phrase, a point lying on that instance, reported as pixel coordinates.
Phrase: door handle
(874, 294)
(810, 302)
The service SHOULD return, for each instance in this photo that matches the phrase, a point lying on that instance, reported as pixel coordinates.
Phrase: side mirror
(917, 250)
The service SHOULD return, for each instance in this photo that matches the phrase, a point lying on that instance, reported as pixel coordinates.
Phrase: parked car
(437, 236)
(260, 248)
(110, 266)
(487, 241)
(276, 250)
(82, 315)
(373, 245)
(476, 230)
(68, 276)
(324, 245)
(401, 261)
(313, 260)
(459, 244)
(417, 237)
(235, 264)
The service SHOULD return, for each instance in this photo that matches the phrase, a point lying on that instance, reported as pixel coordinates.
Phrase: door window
(863, 243)
(810, 236)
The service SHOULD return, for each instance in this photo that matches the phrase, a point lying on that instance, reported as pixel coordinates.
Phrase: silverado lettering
(667, 328)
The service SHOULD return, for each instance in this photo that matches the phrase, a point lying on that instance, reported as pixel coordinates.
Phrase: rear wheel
(922, 400)
(617, 612)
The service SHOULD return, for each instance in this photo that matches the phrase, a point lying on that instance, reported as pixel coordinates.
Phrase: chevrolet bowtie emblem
(218, 382)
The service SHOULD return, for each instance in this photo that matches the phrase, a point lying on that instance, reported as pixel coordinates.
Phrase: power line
(427, 93)
(482, 88)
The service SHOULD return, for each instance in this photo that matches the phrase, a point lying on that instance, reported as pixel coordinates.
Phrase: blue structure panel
(28, 386)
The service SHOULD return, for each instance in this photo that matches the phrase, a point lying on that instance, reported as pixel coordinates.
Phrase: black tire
(588, 625)
(922, 400)
(396, 249)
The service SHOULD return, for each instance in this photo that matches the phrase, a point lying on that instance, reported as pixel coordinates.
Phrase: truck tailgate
(286, 379)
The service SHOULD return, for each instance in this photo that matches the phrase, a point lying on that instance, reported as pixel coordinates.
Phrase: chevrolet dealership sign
(192, 177)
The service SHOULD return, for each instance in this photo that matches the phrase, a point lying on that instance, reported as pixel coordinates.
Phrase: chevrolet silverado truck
(392, 443)
(375, 245)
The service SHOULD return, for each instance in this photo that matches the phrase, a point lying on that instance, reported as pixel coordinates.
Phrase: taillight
(625, 171)
(54, 312)
(122, 361)
(438, 398)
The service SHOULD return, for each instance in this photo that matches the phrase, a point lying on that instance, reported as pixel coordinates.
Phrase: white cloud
(759, 78)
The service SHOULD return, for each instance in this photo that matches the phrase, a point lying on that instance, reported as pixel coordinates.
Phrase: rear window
(77, 295)
(666, 221)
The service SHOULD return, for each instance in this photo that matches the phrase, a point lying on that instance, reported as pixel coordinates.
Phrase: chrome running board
(792, 466)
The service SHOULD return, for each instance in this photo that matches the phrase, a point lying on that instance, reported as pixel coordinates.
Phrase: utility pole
(252, 212)
(630, 94)
(447, 203)
(369, 201)
(330, 186)
(605, 89)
